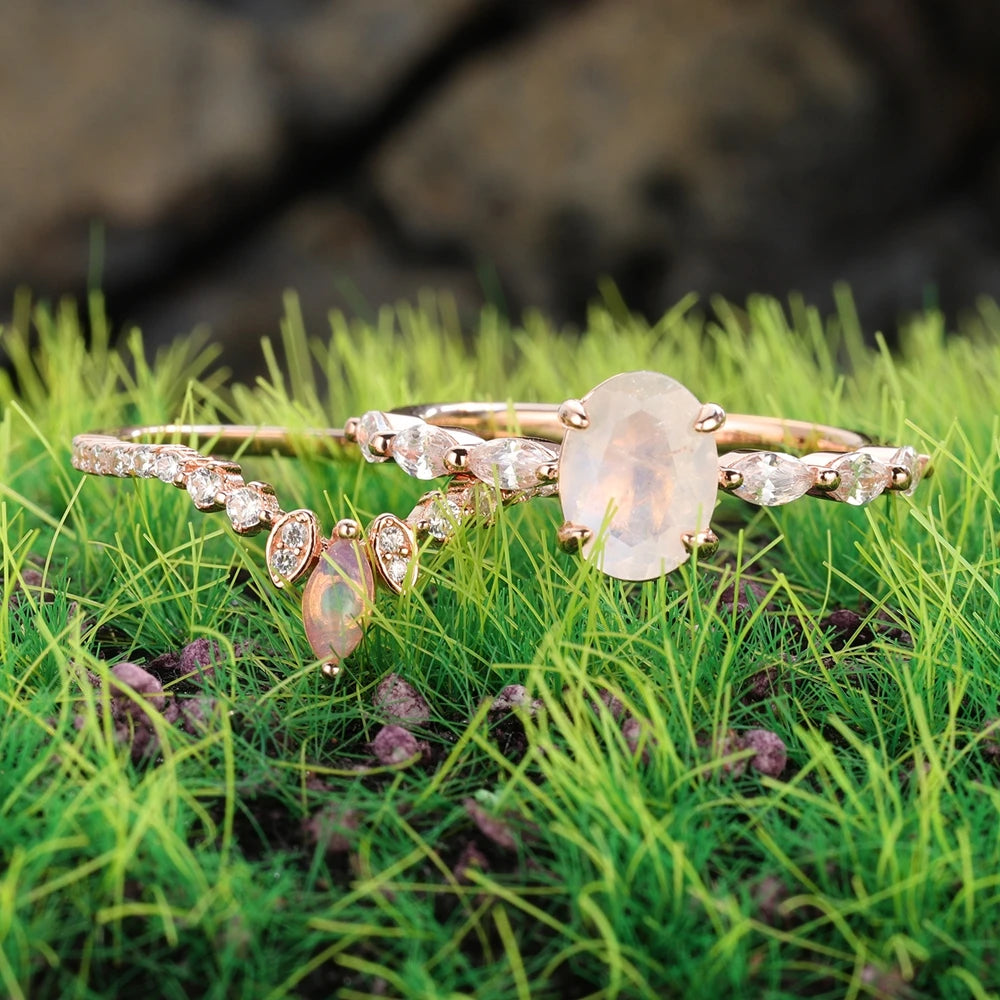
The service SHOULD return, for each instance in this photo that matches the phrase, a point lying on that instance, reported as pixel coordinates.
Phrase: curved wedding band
(636, 469)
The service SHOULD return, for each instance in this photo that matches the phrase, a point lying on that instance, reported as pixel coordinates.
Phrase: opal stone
(336, 599)
(639, 476)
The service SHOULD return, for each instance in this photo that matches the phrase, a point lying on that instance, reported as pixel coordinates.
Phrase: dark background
(510, 151)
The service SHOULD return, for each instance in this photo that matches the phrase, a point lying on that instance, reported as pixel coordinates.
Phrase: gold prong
(422, 527)
(710, 418)
(900, 478)
(380, 444)
(351, 429)
(572, 536)
(346, 527)
(700, 543)
(456, 459)
(573, 415)
(330, 669)
(826, 480)
(547, 472)
(730, 479)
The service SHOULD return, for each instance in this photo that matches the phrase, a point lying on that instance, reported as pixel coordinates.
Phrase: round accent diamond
(284, 562)
(639, 476)
(391, 538)
(445, 514)
(168, 466)
(248, 508)
(204, 485)
(144, 461)
(294, 534)
(121, 461)
(770, 478)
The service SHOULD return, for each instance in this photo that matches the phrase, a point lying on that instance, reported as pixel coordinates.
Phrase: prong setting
(548, 472)
(572, 537)
(347, 527)
(573, 415)
(826, 480)
(900, 478)
(701, 543)
(351, 429)
(710, 418)
(380, 444)
(730, 479)
(456, 459)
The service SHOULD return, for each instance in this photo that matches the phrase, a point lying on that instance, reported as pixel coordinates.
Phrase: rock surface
(361, 150)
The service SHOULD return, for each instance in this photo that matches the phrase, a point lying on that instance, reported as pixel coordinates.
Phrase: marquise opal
(639, 476)
(336, 599)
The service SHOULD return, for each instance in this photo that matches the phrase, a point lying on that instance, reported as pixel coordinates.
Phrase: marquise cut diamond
(862, 478)
(511, 463)
(770, 478)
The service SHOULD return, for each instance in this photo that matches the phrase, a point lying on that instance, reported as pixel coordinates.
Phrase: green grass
(264, 852)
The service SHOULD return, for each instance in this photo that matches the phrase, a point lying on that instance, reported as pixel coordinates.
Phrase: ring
(637, 469)
(635, 464)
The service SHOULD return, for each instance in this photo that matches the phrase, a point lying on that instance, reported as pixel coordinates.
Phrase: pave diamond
(770, 478)
(511, 463)
(204, 485)
(419, 450)
(121, 461)
(294, 534)
(168, 466)
(144, 461)
(249, 509)
(292, 546)
(639, 476)
(862, 478)
(283, 562)
(394, 550)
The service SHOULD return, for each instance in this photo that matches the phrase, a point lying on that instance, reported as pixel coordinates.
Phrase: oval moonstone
(639, 476)
(336, 600)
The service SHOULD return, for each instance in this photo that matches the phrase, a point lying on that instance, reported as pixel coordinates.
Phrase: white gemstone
(168, 466)
(419, 450)
(769, 477)
(204, 485)
(639, 476)
(294, 534)
(144, 461)
(104, 460)
(376, 422)
(247, 508)
(391, 538)
(284, 562)
(445, 514)
(862, 479)
(121, 461)
(396, 569)
(511, 463)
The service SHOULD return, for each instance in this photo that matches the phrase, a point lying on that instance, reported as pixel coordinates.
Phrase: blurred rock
(516, 150)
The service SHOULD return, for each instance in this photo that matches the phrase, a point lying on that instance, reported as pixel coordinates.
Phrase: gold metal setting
(730, 479)
(548, 472)
(711, 417)
(573, 415)
(347, 527)
(380, 445)
(900, 478)
(456, 459)
(351, 429)
(701, 543)
(826, 480)
(572, 537)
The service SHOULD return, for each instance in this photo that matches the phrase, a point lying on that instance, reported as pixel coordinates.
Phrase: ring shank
(541, 420)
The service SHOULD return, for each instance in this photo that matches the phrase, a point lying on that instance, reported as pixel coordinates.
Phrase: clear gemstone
(639, 476)
(247, 508)
(443, 517)
(168, 466)
(862, 479)
(294, 534)
(284, 562)
(396, 569)
(420, 450)
(769, 477)
(104, 460)
(121, 461)
(376, 422)
(512, 463)
(144, 461)
(204, 485)
(391, 538)
(336, 599)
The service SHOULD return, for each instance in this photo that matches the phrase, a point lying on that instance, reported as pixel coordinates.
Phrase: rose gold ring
(636, 469)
